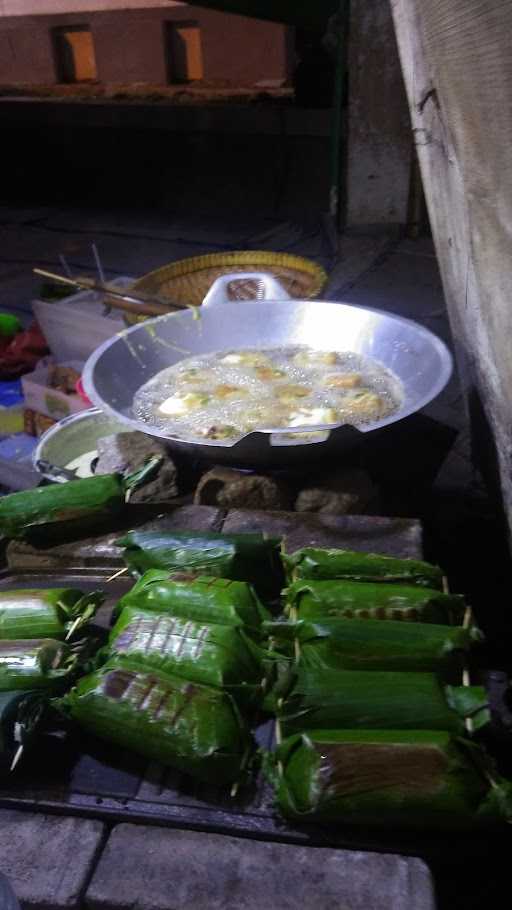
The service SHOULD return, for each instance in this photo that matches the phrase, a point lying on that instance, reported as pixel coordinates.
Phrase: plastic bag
(23, 353)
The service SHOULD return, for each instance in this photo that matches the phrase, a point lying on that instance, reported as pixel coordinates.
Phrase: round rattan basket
(189, 280)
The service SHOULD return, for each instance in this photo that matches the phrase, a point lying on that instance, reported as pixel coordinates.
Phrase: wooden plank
(457, 67)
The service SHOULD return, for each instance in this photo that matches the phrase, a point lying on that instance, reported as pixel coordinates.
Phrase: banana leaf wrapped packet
(212, 655)
(35, 664)
(202, 598)
(253, 558)
(196, 729)
(77, 502)
(349, 644)
(45, 613)
(342, 599)
(413, 779)
(321, 564)
(379, 700)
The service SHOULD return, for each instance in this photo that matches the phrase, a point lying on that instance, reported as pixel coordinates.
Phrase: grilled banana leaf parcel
(341, 599)
(329, 564)
(195, 729)
(349, 644)
(254, 558)
(375, 700)
(77, 502)
(45, 613)
(202, 598)
(212, 655)
(393, 778)
(38, 664)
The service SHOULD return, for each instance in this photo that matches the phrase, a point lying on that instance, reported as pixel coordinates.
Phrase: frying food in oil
(225, 395)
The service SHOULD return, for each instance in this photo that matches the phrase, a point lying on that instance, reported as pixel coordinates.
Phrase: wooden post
(457, 67)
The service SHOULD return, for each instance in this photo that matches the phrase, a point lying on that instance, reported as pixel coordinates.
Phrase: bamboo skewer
(121, 300)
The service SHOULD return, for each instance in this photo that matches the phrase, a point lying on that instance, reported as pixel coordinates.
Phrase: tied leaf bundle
(375, 700)
(34, 664)
(212, 655)
(331, 564)
(393, 778)
(195, 729)
(52, 613)
(76, 503)
(349, 644)
(342, 599)
(198, 597)
(253, 558)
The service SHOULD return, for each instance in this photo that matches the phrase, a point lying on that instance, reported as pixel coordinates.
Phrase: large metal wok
(118, 368)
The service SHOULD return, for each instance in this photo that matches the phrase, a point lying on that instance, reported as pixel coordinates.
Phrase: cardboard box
(50, 402)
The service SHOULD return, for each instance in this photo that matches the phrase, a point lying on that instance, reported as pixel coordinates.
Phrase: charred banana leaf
(78, 502)
(341, 599)
(212, 655)
(349, 644)
(392, 778)
(34, 664)
(45, 613)
(253, 558)
(330, 564)
(201, 598)
(196, 729)
(375, 700)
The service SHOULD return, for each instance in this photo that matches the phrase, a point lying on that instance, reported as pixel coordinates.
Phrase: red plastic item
(79, 389)
(23, 352)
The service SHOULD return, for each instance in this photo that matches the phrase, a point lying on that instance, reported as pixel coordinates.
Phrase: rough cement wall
(458, 71)
(129, 46)
(379, 135)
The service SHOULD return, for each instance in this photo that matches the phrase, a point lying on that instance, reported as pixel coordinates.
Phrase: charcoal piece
(125, 452)
(232, 489)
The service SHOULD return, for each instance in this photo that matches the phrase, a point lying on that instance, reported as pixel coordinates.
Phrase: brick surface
(159, 869)
(390, 536)
(48, 859)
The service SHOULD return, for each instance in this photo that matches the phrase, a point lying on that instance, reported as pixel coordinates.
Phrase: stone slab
(101, 551)
(48, 859)
(390, 536)
(161, 869)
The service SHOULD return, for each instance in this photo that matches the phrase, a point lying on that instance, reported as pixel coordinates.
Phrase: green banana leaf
(219, 656)
(202, 598)
(323, 565)
(349, 644)
(76, 503)
(45, 613)
(340, 599)
(393, 778)
(253, 558)
(35, 664)
(196, 729)
(379, 700)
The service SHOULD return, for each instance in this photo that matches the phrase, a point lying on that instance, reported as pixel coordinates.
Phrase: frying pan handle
(268, 288)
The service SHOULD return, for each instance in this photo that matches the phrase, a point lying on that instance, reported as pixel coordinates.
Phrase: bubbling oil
(226, 394)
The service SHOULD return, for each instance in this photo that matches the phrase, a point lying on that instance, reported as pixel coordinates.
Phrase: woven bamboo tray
(189, 280)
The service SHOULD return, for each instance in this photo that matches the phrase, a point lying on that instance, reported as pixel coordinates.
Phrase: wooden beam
(457, 67)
